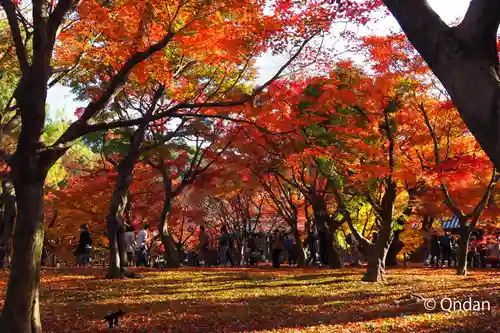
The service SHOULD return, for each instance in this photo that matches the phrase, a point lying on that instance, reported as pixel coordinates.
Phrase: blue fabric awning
(454, 223)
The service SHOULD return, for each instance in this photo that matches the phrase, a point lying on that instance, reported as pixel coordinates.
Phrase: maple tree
(461, 164)
(472, 164)
(125, 167)
(181, 164)
(357, 119)
(239, 202)
(286, 167)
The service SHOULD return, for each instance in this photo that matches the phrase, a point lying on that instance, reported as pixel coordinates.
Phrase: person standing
(203, 253)
(277, 246)
(312, 243)
(130, 244)
(446, 249)
(293, 256)
(472, 253)
(224, 247)
(287, 244)
(435, 250)
(142, 250)
(8, 214)
(454, 249)
(84, 248)
(355, 254)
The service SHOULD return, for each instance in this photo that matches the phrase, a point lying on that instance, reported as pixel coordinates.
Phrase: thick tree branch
(342, 208)
(421, 24)
(447, 198)
(495, 176)
(480, 24)
(64, 71)
(56, 19)
(10, 10)
(464, 58)
(80, 127)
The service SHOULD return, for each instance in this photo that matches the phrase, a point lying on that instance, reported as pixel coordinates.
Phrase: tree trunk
(118, 262)
(463, 249)
(21, 312)
(397, 245)
(394, 249)
(328, 247)
(171, 254)
(335, 259)
(376, 261)
(301, 256)
(29, 167)
(6, 227)
(320, 220)
(114, 258)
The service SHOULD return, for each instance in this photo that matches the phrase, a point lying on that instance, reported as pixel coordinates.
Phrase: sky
(60, 97)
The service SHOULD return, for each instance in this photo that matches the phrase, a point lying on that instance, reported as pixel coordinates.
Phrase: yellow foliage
(412, 240)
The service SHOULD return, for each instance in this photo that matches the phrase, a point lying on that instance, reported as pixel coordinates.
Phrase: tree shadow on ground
(267, 313)
(247, 300)
(213, 301)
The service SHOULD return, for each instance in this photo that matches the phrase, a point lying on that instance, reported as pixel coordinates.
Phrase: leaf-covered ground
(265, 300)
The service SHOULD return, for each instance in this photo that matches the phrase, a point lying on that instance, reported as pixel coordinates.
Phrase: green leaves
(313, 90)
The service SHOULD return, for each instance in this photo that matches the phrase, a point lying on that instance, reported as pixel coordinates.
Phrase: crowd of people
(442, 250)
(283, 247)
(136, 247)
(437, 251)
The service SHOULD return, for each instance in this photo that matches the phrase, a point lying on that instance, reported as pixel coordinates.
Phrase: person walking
(130, 244)
(224, 247)
(84, 249)
(203, 252)
(142, 250)
(277, 246)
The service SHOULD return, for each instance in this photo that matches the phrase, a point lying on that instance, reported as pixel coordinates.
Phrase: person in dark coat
(225, 246)
(84, 248)
(445, 243)
(435, 250)
(277, 247)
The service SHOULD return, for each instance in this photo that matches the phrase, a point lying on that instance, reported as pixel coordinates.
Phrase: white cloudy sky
(450, 10)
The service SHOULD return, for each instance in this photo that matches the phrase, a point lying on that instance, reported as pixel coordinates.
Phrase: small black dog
(112, 318)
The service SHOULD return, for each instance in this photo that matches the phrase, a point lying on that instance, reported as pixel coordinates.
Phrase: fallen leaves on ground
(265, 300)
